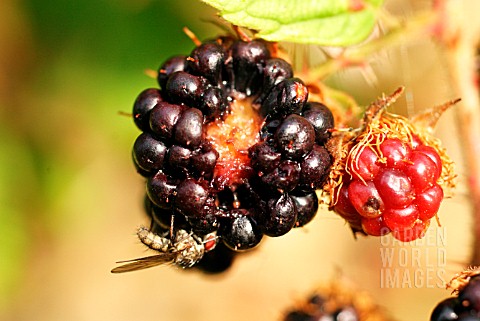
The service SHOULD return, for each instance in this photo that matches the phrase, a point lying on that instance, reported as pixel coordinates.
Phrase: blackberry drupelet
(176, 63)
(231, 146)
(149, 153)
(465, 305)
(393, 188)
(390, 175)
(445, 310)
(145, 102)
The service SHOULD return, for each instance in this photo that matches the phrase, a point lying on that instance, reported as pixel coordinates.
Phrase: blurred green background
(70, 198)
(67, 68)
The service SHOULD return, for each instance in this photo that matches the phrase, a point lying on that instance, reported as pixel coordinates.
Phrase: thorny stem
(461, 38)
(416, 26)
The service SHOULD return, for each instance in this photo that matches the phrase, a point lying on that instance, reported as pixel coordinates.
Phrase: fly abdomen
(152, 240)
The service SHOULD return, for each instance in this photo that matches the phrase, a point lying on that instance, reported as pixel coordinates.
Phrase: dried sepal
(460, 280)
(375, 109)
(345, 110)
(377, 126)
(428, 119)
(338, 294)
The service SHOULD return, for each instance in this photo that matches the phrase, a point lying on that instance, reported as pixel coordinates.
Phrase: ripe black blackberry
(465, 305)
(231, 145)
(340, 301)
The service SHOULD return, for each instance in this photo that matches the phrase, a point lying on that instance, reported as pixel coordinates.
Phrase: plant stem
(416, 26)
(461, 39)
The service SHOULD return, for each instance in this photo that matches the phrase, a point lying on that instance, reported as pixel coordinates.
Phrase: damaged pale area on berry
(231, 138)
(337, 300)
(393, 168)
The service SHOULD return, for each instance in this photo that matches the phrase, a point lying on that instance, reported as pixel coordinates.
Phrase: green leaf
(323, 22)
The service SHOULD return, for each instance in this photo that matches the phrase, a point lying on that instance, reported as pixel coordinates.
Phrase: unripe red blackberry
(390, 176)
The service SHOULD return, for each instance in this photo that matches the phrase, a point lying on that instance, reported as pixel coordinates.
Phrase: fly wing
(144, 262)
